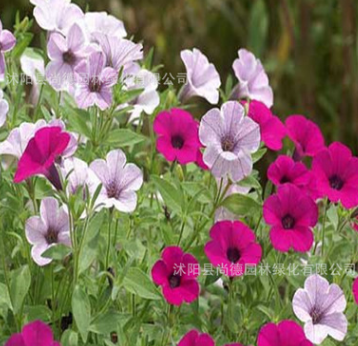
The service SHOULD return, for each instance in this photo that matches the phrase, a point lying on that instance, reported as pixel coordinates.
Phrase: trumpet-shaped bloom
(50, 228)
(286, 333)
(355, 290)
(56, 15)
(202, 77)
(232, 247)
(7, 43)
(95, 82)
(320, 306)
(65, 55)
(336, 174)
(229, 138)
(271, 128)
(253, 80)
(177, 274)
(292, 214)
(178, 135)
(306, 136)
(35, 333)
(194, 338)
(41, 153)
(120, 181)
(4, 108)
(285, 170)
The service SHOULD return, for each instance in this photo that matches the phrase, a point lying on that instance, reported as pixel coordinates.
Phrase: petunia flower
(194, 338)
(65, 55)
(50, 228)
(94, 82)
(56, 15)
(41, 153)
(271, 128)
(320, 306)
(202, 77)
(253, 80)
(285, 333)
(34, 333)
(232, 247)
(178, 136)
(306, 136)
(336, 174)
(355, 290)
(177, 274)
(291, 213)
(7, 43)
(229, 138)
(4, 108)
(120, 181)
(285, 170)
(103, 23)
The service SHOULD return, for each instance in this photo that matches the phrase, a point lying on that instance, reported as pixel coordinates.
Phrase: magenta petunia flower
(320, 306)
(178, 136)
(253, 80)
(336, 174)
(194, 338)
(35, 333)
(285, 333)
(41, 153)
(95, 82)
(292, 214)
(177, 274)
(232, 247)
(286, 170)
(271, 128)
(230, 138)
(65, 55)
(50, 228)
(306, 136)
(202, 77)
(120, 181)
(7, 43)
(355, 290)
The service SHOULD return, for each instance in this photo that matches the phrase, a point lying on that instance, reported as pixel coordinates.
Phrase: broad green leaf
(241, 205)
(139, 283)
(20, 284)
(57, 252)
(108, 322)
(69, 338)
(38, 312)
(257, 156)
(81, 310)
(123, 137)
(4, 296)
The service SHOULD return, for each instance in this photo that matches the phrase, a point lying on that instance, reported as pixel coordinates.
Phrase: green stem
(110, 217)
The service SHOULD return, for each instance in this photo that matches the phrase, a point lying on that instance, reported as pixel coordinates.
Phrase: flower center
(95, 85)
(68, 57)
(336, 182)
(288, 222)
(284, 180)
(233, 254)
(112, 190)
(177, 141)
(316, 315)
(227, 143)
(174, 280)
(51, 236)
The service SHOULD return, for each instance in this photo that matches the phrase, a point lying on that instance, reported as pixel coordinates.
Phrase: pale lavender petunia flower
(50, 228)
(202, 77)
(320, 306)
(7, 43)
(94, 82)
(253, 80)
(103, 23)
(65, 55)
(4, 108)
(230, 137)
(120, 181)
(56, 15)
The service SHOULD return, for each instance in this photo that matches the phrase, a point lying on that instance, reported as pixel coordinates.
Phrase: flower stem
(110, 217)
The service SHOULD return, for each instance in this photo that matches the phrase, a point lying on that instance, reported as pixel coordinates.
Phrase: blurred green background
(309, 47)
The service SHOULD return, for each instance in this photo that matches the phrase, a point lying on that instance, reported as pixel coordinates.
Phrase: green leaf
(241, 205)
(123, 137)
(78, 120)
(4, 296)
(108, 322)
(57, 252)
(69, 338)
(258, 27)
(23, 41)
(137, 282)
(20, 284)
(38, 312)
(172, 197)
(257, 156)
(81, 309)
